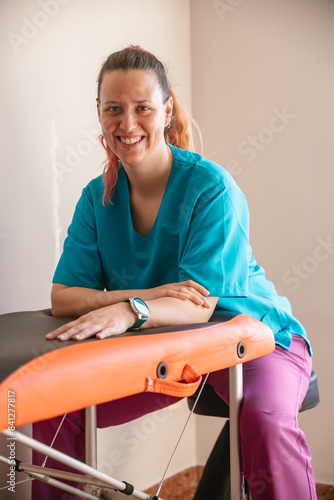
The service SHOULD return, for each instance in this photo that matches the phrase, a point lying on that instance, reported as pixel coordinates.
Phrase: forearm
(117, 318)
(76, 301)
(168, 311)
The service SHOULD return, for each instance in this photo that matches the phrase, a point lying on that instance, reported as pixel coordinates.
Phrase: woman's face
(133, 115)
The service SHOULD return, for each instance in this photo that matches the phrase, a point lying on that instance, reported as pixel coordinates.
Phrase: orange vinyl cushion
(84, 374)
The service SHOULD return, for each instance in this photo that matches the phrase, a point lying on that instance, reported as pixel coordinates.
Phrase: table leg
(91, 436)
(236, 394)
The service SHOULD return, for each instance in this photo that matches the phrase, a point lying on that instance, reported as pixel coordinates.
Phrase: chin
(131, 159)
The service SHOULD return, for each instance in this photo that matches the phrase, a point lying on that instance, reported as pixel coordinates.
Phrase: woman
(171, 228)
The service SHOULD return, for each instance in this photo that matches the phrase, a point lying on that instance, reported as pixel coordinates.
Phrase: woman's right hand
(185, 290)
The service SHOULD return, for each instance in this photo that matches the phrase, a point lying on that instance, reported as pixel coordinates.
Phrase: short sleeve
(217, 250)
(80, 263)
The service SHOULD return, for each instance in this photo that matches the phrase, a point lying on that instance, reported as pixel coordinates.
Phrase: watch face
(141, 306)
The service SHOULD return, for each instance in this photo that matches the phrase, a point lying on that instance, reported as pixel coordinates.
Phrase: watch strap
(141, 319)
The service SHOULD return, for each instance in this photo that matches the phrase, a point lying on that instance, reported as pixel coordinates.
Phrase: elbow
(58, 304)
(56, 309)
(59, 310)
(56, 312)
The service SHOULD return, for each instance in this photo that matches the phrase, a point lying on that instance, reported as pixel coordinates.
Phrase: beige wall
(49, 151)
(253, 61)
(49, 125)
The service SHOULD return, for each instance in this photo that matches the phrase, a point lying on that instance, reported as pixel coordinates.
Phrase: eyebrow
(118, 102)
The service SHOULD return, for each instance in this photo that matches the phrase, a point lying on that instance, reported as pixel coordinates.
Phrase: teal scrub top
(201, 233)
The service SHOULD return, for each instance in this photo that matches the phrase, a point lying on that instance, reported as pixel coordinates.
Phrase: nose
(128, 121)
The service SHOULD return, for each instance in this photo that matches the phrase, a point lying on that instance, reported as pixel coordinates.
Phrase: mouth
(130, 141)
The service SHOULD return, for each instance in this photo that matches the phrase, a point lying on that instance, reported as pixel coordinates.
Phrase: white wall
(49, 126)
(251, 60)
(51, 52)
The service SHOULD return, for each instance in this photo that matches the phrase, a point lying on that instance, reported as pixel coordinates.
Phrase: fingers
(59, 331)
(87, 331)
(189, 290)
(184, 290)
(105, 333)
(190, 294)
(104, 322)
(198, 299)
(197, 293)
(178, 294)
(193, 284)
(76, 330)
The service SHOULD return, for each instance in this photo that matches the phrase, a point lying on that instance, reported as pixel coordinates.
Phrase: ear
(168, 110)
(98, 107)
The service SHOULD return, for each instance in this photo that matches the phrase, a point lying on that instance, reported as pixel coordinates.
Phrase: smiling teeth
(132, 140)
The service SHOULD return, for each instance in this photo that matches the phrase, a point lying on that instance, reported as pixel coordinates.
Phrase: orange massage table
(169, 360)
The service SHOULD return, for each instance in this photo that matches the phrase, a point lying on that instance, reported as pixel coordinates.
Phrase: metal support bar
(41, 474)
(61, 474)
(91, 436)
(72, 462)
(62, 486)
(236, 394)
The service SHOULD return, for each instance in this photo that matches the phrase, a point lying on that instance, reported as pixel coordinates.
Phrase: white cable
(54, 438)
(182, 432)
(16, 483)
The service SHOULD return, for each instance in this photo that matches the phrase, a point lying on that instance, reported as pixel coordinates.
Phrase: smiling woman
(151, 94)
(161, 238)
(133, 117)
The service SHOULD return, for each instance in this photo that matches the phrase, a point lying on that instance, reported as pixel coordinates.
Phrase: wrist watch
(140, 309)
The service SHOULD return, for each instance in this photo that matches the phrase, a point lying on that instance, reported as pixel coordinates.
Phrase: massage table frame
(240, 337)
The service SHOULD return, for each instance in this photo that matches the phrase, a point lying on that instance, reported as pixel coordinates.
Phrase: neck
(152, 175)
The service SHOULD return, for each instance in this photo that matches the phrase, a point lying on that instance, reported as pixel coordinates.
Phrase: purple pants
(276, 458)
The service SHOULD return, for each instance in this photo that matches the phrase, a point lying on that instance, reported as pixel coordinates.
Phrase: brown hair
(178, 132)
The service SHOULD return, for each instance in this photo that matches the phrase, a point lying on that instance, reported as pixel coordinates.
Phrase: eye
(114, 109)
(143, 108)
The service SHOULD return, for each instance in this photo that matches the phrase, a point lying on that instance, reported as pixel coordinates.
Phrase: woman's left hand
(104, 322)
